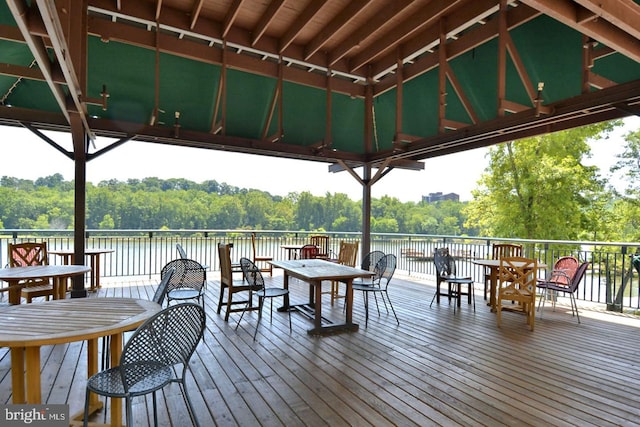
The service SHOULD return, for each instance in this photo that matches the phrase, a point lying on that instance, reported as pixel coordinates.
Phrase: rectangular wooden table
(314, 271)
(25, 328)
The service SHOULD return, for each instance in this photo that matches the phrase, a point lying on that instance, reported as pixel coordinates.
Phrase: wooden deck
(436, 368)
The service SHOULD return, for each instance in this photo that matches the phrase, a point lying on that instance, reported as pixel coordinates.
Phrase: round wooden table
(59, 274)
(25, 328)
(93, 254)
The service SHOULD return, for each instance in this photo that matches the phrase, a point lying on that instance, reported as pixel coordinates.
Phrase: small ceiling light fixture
(176, 125)
(105, 96)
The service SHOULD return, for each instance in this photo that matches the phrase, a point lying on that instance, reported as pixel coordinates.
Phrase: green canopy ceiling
(383, 83)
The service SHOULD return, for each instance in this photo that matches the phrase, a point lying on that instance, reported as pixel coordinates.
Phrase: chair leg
(86, 408)
(391, 305)
(376, 300)
(185, 393)
(572, 298)
(241, 314)
(129, 413)
(220, 299)
(366, 308)
(260, 304)
(155, 410)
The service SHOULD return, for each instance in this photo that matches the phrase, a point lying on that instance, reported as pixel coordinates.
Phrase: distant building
(436, 197)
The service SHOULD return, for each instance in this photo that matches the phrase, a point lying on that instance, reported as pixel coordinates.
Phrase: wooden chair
(28, 254)
(499, 251)
(563, 278)
(262, 261)
(322, 242)
(228, 286)
(347, 256)
(517, 279)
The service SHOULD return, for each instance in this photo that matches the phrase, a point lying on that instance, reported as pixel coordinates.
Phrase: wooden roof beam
(475, 37)
(367, 30)
(567, 12)
(302, 20)
(195, 13)
(265, 20)
(624, 14)
(20, 12)
(230, 18)
(425, 16)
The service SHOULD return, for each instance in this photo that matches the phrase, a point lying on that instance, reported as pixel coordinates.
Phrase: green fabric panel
(347, 123)
(189, 87)
(248, 104)
(551, 53)
(384, 107)
(419, 111)
(129, 74)
(304, 114)
(476, 71)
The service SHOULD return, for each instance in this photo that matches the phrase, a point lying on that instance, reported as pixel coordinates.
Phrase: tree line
(153, 203)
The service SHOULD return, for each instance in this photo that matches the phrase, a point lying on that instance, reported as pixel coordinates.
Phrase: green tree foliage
(626, 209)
(538, 188)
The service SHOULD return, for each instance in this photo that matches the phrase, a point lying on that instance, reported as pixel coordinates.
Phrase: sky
(26, 156)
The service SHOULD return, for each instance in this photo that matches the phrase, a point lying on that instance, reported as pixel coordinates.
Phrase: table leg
(116, 404)
(95, 272)
(17, 375)
(349, 302)
(15, 292)
(493, 285)
(317, 321)
(32, 366)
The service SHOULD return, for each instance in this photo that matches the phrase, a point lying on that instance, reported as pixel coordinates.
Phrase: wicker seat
(446, 272)
(563, 278)
(384, 270)
(188, 281)
(28, 254)
(254, 278)
(158, 348)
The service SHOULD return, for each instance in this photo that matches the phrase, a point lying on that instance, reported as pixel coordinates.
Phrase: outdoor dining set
(177, 309)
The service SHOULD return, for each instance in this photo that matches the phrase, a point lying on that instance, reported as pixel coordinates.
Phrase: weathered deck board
(436, 368)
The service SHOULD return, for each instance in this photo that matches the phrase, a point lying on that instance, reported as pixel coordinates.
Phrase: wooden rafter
(566, 12)
(368, 30)
(624, 14)
(455, 48)
(265, 20)
(424, 17)
(195, 13)
(230, 18)
(303, 19)
(349, 13)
